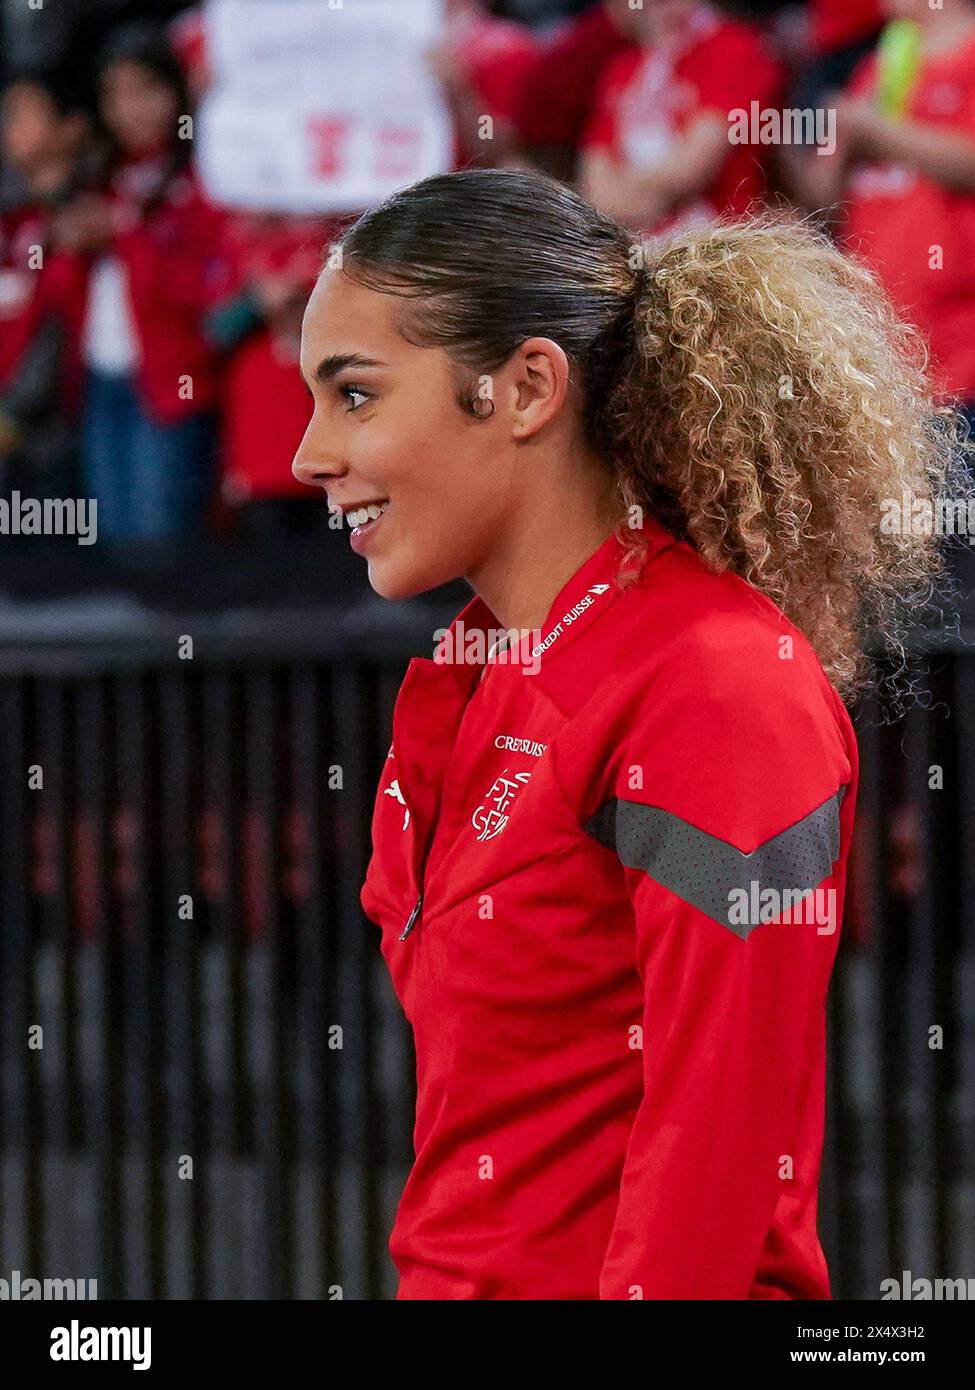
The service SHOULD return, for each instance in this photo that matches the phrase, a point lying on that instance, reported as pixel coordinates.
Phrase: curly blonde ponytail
(771, 406)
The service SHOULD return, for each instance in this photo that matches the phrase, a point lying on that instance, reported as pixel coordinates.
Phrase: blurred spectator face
(660, 20)
(138, 107)
(397, 434)
(33, 130)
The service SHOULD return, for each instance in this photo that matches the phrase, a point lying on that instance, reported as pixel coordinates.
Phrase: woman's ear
(539, 385)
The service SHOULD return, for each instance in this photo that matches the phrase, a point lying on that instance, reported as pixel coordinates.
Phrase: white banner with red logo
(320, 105)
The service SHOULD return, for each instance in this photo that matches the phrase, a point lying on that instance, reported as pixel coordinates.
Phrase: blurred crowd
(119, 277)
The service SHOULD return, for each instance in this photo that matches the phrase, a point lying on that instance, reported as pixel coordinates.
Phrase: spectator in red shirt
(554, 101)
(904, 168)
(45, 126)
(657, 153)
(151, 249)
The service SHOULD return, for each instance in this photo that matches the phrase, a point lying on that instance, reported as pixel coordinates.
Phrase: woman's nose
(314, 464)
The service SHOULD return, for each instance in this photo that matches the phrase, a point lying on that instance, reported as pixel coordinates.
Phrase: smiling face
(393, 433)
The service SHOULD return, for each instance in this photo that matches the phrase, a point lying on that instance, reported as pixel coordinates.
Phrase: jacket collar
(465, 646)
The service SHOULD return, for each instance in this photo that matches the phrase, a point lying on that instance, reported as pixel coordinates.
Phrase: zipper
(421, 867)
(412, 919)
(414, 916)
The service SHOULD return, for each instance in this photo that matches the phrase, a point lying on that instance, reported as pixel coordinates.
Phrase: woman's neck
(521, 578)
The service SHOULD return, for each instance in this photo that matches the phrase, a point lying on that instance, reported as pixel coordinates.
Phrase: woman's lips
(360, 536)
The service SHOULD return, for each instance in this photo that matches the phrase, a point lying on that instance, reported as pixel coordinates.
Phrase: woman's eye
(348, 391)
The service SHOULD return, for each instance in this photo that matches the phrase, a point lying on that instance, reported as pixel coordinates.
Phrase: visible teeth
(363, 514)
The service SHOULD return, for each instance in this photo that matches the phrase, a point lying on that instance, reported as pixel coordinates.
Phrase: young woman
(609, 859)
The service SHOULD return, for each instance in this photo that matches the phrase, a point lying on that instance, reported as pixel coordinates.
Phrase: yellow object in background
(898, 64)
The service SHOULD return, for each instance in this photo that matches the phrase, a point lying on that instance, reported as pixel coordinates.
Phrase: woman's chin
(388, 582)
(399, 582)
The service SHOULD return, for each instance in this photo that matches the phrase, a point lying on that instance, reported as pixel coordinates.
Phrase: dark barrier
(221, 1104)
(899, 1176)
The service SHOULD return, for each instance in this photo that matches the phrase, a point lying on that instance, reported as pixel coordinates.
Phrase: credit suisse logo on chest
(493, 813)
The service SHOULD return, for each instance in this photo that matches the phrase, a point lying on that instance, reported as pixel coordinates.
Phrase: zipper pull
(411, 920)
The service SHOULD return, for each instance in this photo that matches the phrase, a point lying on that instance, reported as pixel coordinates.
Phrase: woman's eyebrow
(330, 367)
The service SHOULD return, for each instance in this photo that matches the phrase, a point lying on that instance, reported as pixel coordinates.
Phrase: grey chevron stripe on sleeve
(703, 870)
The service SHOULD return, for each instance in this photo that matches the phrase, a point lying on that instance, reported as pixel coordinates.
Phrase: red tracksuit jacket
(577, 865)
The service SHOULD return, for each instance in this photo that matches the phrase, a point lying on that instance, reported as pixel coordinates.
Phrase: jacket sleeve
(718, 798)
